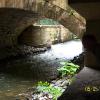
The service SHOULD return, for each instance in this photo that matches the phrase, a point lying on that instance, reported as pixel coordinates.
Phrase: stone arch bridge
(17, 15)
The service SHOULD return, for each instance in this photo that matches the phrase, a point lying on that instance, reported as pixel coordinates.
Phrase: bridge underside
(14, 21)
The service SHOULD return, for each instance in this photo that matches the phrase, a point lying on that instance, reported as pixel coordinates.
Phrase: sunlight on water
(68, 49)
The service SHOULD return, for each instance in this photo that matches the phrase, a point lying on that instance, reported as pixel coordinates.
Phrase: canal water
(22, 74)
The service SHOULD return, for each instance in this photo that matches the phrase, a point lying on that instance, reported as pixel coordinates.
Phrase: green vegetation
(48, 88)
(67, 68)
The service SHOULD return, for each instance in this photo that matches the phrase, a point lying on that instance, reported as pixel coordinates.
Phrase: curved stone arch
(14, 20)
(68, 18)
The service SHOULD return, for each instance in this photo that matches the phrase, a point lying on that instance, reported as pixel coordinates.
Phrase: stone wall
(66, 35)
(44, 35)
(35, 36)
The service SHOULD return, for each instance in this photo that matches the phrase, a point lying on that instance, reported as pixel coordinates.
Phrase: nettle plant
(67, 68)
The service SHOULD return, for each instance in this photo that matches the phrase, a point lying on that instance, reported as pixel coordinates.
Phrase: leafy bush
(47, 87)
(67, 68)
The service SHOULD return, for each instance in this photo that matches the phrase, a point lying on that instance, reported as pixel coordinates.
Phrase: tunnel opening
(45, 32)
